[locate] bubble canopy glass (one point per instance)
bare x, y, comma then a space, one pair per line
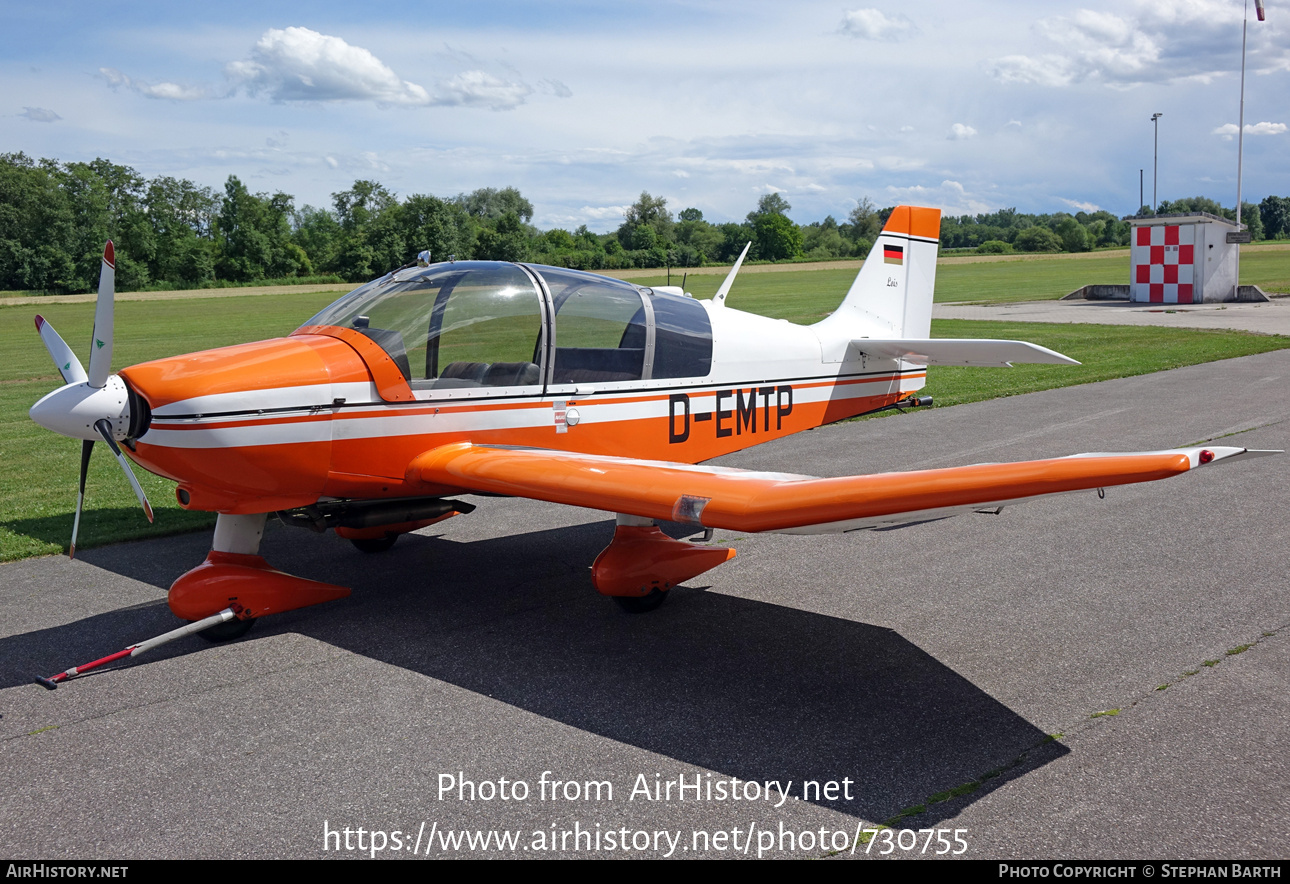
494, 324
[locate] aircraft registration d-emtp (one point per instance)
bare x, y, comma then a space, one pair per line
441, 380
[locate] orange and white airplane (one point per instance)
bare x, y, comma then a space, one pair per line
450, 379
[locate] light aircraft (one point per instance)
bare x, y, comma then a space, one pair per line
440, 380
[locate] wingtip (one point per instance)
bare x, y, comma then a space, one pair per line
40, 322
109, 255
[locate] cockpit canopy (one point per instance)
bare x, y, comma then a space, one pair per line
492, 324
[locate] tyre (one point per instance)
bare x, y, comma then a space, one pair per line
374, 544
641, 604
228, 630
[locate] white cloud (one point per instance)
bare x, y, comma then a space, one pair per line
556, 88
1043, 70
899, 164
872, 24
40, 115
1228, 130
171, 91
1082, 206
480, 89
950, 197
960, 132
297, 64
1151, 42
600, 213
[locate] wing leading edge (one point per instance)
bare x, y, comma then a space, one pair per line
745, 500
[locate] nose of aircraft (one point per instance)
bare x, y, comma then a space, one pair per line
73, 410
245, 428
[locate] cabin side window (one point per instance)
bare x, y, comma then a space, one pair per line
601, 329
682, 338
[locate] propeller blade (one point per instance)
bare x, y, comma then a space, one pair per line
87, 446
101, 340
68, 365
104, 426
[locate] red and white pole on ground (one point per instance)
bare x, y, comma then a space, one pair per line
223, 616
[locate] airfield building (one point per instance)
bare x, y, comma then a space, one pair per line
1183, 259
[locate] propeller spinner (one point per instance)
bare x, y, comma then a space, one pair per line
90, 405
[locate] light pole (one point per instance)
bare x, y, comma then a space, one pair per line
1155, 161
1240, 130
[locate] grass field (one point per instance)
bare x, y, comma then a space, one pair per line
39, 481
979, 279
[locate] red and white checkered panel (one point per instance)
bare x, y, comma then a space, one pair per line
1162, 260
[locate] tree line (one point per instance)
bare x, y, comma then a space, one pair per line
172, 233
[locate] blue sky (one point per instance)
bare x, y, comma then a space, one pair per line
967, 107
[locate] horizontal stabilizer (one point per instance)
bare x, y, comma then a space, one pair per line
745, 500
959, 351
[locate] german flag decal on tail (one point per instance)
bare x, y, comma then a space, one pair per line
893, 254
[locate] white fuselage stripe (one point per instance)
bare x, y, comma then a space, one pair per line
292, 421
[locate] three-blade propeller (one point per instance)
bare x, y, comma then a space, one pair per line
90, 405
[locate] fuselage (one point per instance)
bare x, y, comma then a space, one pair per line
572, 362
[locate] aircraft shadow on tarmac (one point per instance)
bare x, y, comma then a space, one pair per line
743, 688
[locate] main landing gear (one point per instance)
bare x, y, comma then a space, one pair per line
638, 569
641, 564
374, 544
234, 574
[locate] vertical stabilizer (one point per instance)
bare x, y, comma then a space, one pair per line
892, 295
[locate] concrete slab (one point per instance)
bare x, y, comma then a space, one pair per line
1270, 318
899, 665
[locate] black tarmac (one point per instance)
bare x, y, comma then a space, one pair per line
1072, 678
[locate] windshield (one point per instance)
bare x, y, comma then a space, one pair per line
470, 323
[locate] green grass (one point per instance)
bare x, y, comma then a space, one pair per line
38, 483
1105, 351
1027, 279
809, 295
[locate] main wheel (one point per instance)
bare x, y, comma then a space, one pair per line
641, 604
228, 630
374, 544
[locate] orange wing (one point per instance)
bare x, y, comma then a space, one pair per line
744, 500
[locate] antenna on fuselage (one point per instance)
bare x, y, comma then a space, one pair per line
719, 299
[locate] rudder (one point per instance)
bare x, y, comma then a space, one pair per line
892, 294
